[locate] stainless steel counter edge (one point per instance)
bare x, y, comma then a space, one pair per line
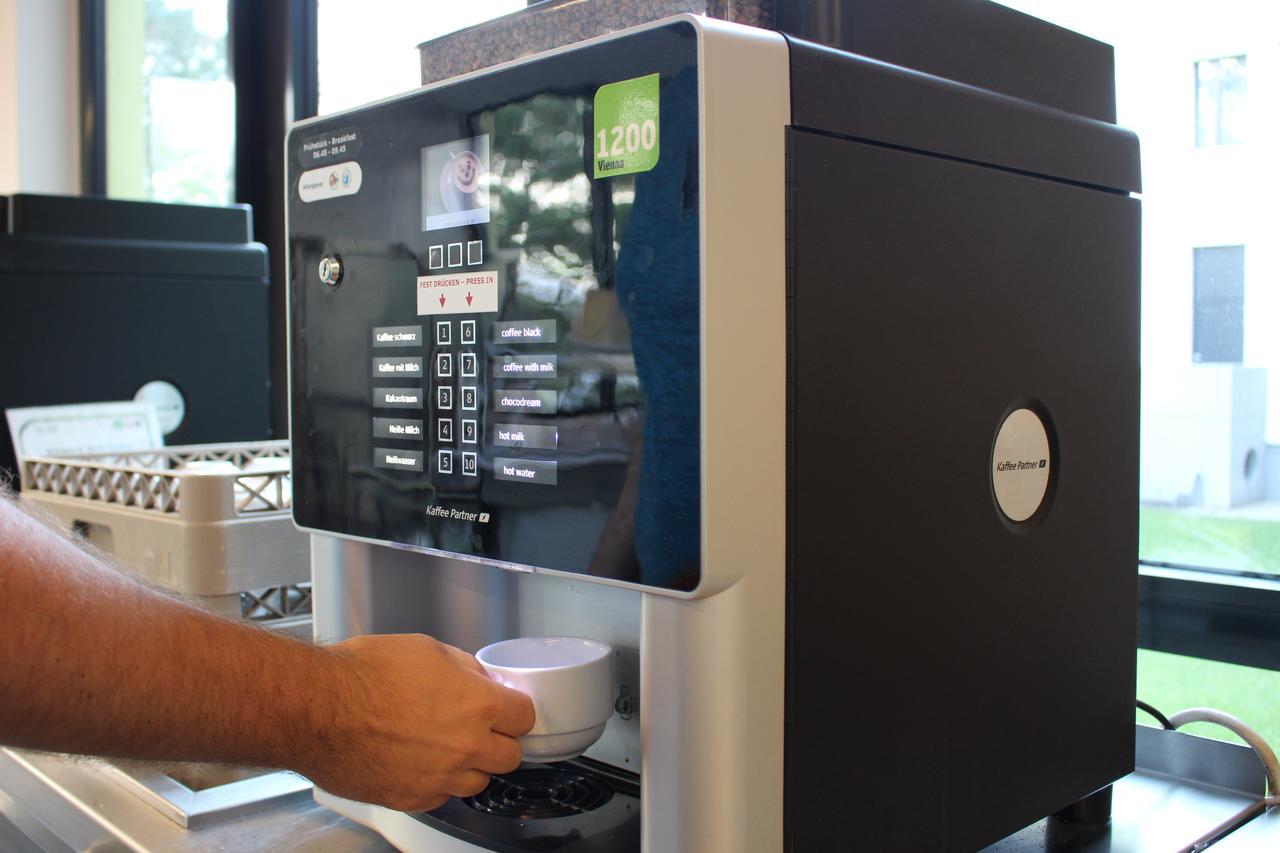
66, 803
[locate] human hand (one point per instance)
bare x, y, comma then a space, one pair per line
411, 721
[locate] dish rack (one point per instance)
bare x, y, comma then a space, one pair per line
209, 522
213, 524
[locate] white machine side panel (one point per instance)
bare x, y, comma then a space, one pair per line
712, 669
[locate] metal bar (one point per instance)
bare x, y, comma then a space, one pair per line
1228, 618
273, 53
93, 97
304, 59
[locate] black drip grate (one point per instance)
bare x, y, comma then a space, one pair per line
535, 794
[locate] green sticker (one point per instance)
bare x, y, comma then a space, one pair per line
627, 131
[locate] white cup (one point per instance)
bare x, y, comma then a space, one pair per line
569, 679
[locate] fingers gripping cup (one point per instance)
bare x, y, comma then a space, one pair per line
570, 680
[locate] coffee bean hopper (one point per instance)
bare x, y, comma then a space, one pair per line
806, 380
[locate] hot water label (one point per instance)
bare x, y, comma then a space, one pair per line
538, 471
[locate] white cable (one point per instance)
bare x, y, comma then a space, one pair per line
1233, 724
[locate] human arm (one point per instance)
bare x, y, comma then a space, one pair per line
93, 661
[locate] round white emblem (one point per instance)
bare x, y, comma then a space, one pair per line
1020, 464
170, 405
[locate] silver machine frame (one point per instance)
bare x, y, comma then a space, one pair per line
704, 671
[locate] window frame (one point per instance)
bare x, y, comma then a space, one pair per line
1225, 616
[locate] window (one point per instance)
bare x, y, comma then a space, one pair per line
386, 43
1209, 516
1220, 91
170, 101
1218, 318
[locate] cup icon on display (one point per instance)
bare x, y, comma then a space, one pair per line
570, 680
460, 181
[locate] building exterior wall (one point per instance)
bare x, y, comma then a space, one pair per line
1199, 420
39, 96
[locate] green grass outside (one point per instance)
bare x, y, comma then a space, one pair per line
1196, 538
1172, 683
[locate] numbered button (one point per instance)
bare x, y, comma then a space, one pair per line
468, 331
469, 466
468, 365
470, 399
444, 429
469, 432
444, 461
444, 332
444, 365
444, 397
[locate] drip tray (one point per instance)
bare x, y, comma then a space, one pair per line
579, 806
542, 793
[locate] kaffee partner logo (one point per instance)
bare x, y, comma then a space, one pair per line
1022, 465
457, 514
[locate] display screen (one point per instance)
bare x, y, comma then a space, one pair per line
455, 183
509, 366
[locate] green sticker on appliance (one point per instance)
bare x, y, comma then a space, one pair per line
627, 132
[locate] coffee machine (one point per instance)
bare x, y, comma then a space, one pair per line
807, 381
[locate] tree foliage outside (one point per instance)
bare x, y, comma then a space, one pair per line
177, 47
188, 102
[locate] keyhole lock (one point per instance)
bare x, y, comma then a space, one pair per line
330, 270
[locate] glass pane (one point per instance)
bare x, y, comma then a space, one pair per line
365, 56
1232, 114
1218, 315
1220, 100
170, 101
1172, 683
1210, 457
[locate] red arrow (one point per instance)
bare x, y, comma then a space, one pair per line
468, 299
442, 300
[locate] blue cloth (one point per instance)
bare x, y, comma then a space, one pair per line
658, 289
